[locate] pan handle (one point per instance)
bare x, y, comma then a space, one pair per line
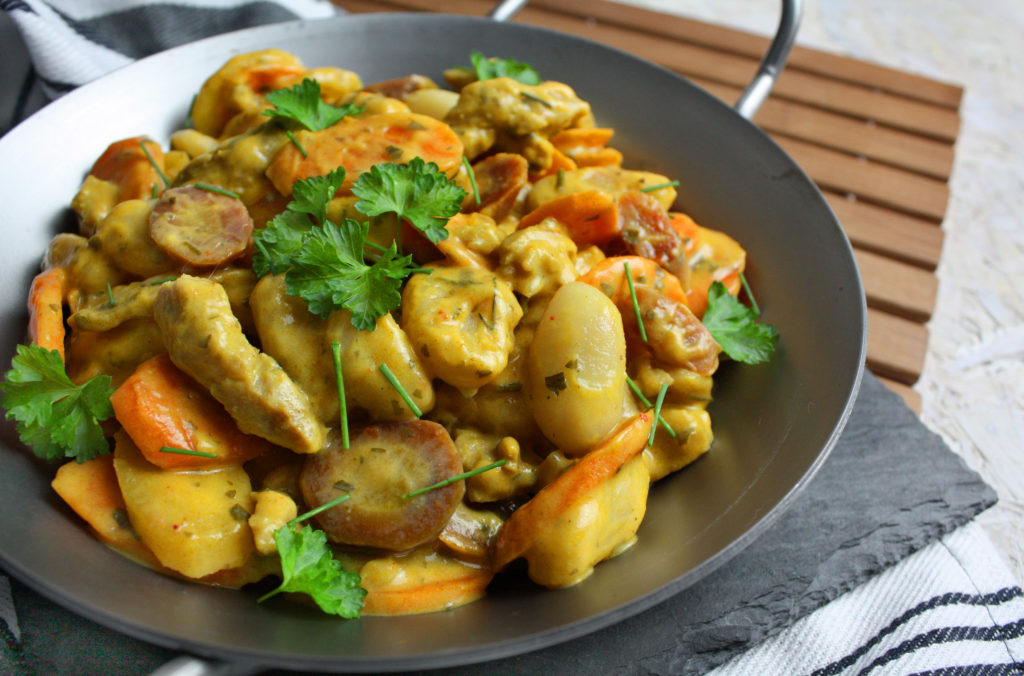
771, 65
774, 59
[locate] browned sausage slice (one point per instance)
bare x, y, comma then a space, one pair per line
200, 227
384, 462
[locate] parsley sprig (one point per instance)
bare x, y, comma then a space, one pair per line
735, 327
324, 262
488, 68
417, 192
308, 566
54, 416
302, 103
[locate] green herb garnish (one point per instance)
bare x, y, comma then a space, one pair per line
295, 142
54, 416
457, 477
220, 191
659, 186
159, 172
735, 327
657, 412
636, 304
322, 508
308, 566
472, 179
538, 99
302, 103
489, 68
750, 295
111, 301
187, 451
342, 407
646, 402
417, 192
401, 390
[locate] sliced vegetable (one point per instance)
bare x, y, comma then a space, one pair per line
133, 164
384, 462
160, 407
200, 227
46, 310
590, 216
420, 582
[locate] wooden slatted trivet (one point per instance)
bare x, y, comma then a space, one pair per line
877, 141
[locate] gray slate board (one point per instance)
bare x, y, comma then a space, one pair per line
889, 488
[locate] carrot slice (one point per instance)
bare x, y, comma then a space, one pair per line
159, 406
125, 164
724, 260
90, 488
559, 162
518, 533
46, 309
609, 276
591, 216
586, 147
434, 587
359, 144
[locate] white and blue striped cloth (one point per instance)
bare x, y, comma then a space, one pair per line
951, 609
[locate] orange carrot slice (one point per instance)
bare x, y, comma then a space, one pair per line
359, 144
125, 164
46, 310
559, 162
159, 406
609, 276
591, 216
452, 585
518, 533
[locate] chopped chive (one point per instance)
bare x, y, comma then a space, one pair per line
220, 191
110, 296
157, 282
187, 451
401, 390
659, 186
750, 295
161, 174
636, 305
483, 320
457, 477
560, 179
472, 179
646, 402
156, 191
295, 141
657, 411
342, 407
322, 508
534, 97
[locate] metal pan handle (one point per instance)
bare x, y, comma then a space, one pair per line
771, 65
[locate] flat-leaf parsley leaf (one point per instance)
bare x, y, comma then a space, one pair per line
488, 68
303, 104
329, 273
736, 328
308, 566
417, 192
53, 415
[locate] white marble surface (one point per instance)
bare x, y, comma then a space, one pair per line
973, 381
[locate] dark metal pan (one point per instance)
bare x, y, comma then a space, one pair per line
774, 423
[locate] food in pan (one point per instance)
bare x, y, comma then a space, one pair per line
376, 341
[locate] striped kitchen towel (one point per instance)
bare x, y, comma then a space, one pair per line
951, 609
71, 42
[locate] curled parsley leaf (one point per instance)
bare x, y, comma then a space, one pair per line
302, 103
417, 192
53, 415
308, 566
735, 327
488, 68
329, 272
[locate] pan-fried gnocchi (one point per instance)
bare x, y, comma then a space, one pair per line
442, 326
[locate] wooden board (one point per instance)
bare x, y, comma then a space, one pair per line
878, 142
